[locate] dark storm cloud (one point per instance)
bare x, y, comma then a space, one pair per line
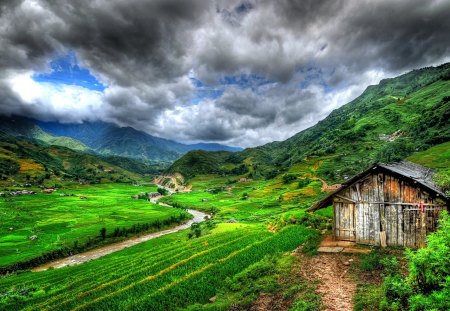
316, 55
142, 37
400, 35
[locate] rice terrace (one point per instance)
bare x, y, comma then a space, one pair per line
242, 155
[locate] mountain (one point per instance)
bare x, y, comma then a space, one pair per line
24, 160
388, 122
23, 127
104, 138
110, 139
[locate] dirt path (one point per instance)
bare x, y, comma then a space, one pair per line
108, 249
334, 284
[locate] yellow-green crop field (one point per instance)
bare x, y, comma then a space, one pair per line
59, 222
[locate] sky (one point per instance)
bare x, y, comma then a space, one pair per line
241, 73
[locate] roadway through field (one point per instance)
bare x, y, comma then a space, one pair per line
108, 249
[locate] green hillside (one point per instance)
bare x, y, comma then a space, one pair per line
438, 159
22, 127
28, 161
202, 162
386, 123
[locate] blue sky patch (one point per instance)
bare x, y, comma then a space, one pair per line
246, 81
313, 76
66, 70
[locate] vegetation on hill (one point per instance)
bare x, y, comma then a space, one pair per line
26, 128
437, 158
32, 162
204, 162
386, 123
110, 139
257, 198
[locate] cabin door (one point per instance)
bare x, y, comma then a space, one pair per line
344, 221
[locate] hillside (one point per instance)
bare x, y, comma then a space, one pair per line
29, 161
23, 127
203, 162
388, 122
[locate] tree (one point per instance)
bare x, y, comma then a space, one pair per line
162, 191
103, 233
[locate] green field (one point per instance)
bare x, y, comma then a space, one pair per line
64, 222
161, 274
252, 201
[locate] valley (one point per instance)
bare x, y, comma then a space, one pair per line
100, 234
41, 227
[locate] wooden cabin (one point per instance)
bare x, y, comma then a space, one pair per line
388, 204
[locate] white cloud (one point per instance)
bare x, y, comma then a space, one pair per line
67, 103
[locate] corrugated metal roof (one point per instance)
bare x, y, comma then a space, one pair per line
416, 172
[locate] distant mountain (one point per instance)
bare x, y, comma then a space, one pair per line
23, 127
104, 138
388, 122
213, 147
110, 139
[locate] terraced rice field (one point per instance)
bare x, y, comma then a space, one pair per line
61, 221
162, 274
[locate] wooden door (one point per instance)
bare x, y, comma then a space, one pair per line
344, 221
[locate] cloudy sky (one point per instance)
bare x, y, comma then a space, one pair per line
241, 73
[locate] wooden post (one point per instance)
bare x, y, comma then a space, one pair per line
424, 225
383, 239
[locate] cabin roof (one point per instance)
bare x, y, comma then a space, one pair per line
419, 174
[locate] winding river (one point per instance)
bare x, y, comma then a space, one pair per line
111, 248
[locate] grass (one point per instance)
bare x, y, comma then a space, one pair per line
144, 276
270, 277
264, 199
62, 221
436, 157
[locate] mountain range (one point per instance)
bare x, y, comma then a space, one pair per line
103, 138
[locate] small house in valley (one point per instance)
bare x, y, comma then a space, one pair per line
388, 204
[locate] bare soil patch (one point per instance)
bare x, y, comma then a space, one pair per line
334, 284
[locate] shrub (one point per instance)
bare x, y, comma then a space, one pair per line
368, 297
371, 261
396, 293
427, 286
429, 267
312, 244
162, 191
310, 302
310, 220
288, 178
302, 183
391, 265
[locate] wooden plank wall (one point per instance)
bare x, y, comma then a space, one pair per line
344, 215
373, 195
